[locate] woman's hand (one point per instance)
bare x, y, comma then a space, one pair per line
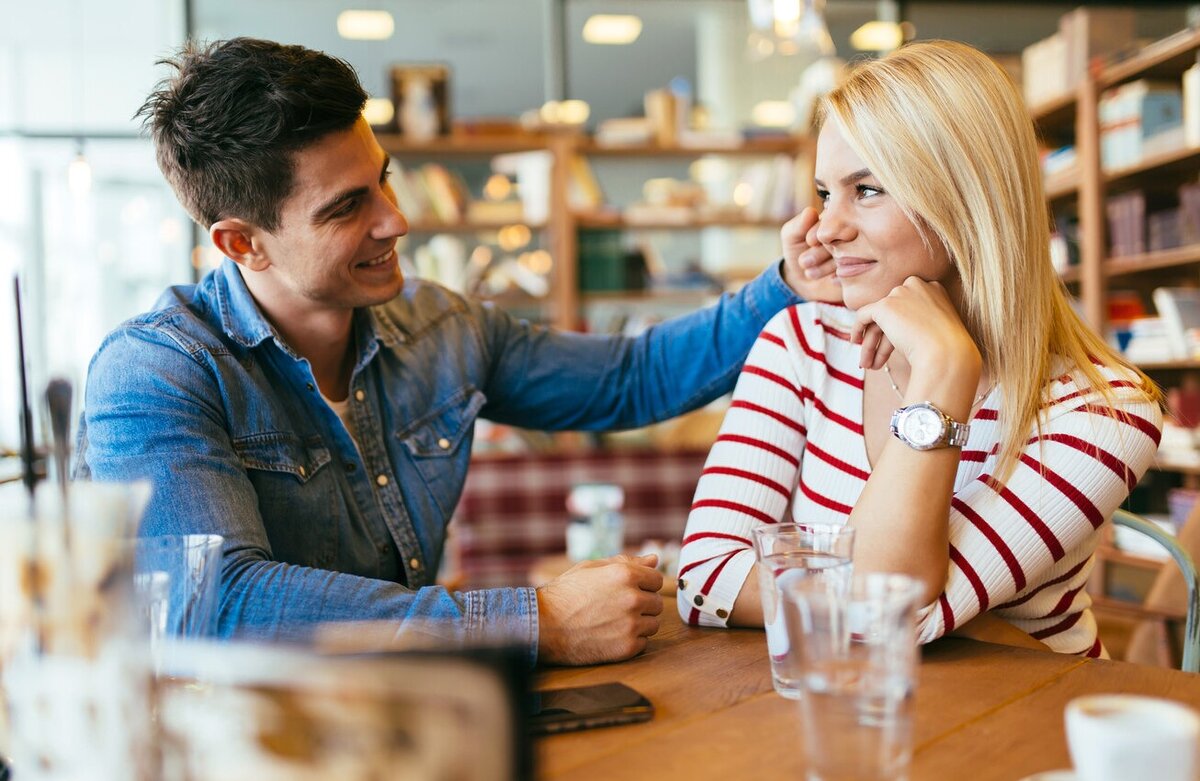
918, 319
808, 268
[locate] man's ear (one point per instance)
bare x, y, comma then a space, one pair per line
236, 239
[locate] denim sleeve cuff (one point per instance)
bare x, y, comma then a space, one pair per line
503, 615
769, 293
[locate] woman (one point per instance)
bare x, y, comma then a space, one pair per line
1017, 429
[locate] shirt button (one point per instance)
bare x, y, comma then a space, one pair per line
359, 395
414, 563
722, 613
309, 385
699, 600
444, 443
382, 480
681, 584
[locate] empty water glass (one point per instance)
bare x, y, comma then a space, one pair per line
787, 552
177, 578
859, 658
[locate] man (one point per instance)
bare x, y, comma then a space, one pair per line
307, 404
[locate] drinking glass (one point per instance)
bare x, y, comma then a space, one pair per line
177, 577
787, 552
74, 682
859, 651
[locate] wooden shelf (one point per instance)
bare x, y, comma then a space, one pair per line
651, 296
605, 221
1118, 556
773, 146
1057, 114
1167, 58
1177, 467
430, 226
460, 146
1167, 366
1167, 258
1062, 185
1178, 161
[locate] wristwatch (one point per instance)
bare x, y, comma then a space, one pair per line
922, 426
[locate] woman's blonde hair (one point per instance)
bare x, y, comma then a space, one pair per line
946, 133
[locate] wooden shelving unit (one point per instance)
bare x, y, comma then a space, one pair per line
560, 230
1074, 118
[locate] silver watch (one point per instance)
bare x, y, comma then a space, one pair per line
922, 426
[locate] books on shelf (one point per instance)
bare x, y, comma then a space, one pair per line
1179, 310
1052, 67
1139, 119
1191, 105
1126, 223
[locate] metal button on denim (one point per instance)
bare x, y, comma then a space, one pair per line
381, 480
444, 443
414, 563
359, 395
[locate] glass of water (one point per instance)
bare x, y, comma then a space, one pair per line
788, 552
859, 649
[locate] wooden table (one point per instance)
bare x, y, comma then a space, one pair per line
982, 711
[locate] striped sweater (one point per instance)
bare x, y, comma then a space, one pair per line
793, 437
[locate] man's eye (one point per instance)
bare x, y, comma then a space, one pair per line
344, 209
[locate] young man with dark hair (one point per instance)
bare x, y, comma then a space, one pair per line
306, 403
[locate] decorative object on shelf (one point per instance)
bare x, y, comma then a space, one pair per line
421, 96
788, 27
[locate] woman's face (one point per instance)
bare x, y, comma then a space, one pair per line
875, 246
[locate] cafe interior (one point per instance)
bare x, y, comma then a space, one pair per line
594, 168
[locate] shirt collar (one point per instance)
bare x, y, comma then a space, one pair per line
243, 322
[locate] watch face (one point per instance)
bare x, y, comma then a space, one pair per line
922, 426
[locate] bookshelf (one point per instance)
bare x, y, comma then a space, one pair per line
559, 233
1082, 191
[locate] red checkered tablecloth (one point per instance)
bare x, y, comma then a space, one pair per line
514, 508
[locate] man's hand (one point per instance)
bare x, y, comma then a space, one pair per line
808, 268
599, 611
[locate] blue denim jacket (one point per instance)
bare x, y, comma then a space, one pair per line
203, 398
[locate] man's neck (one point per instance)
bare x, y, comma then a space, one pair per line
322, 336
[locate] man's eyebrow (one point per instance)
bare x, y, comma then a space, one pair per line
861, 173
330, 206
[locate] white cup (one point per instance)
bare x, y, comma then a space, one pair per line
1117, 737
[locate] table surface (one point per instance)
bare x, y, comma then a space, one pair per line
990, 711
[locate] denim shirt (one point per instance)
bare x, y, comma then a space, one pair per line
203, 398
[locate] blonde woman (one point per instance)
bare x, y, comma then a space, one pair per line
956, 412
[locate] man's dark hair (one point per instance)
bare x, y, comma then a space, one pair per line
227, 124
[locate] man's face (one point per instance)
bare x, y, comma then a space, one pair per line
335, 247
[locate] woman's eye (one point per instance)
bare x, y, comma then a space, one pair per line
822, 195
866, 190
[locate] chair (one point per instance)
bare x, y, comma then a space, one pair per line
1187, 567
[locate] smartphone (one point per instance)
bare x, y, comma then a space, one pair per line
581, 707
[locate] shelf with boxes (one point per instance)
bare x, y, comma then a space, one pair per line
1122, 179
521, 219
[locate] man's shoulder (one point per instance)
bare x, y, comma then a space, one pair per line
183, 315
421, 305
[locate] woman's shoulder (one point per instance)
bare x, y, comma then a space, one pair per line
1071, 388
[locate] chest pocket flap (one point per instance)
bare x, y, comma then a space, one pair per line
440, 432
280, 452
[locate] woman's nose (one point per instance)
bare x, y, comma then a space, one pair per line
832, 225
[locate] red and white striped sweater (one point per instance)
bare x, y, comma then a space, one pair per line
794, 436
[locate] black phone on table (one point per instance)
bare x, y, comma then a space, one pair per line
581, 707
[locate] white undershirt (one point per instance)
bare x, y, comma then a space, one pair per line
342, 409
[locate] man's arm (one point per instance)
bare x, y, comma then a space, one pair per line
153, 413
556, 381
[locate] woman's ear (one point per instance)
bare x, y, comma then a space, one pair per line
235, 238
